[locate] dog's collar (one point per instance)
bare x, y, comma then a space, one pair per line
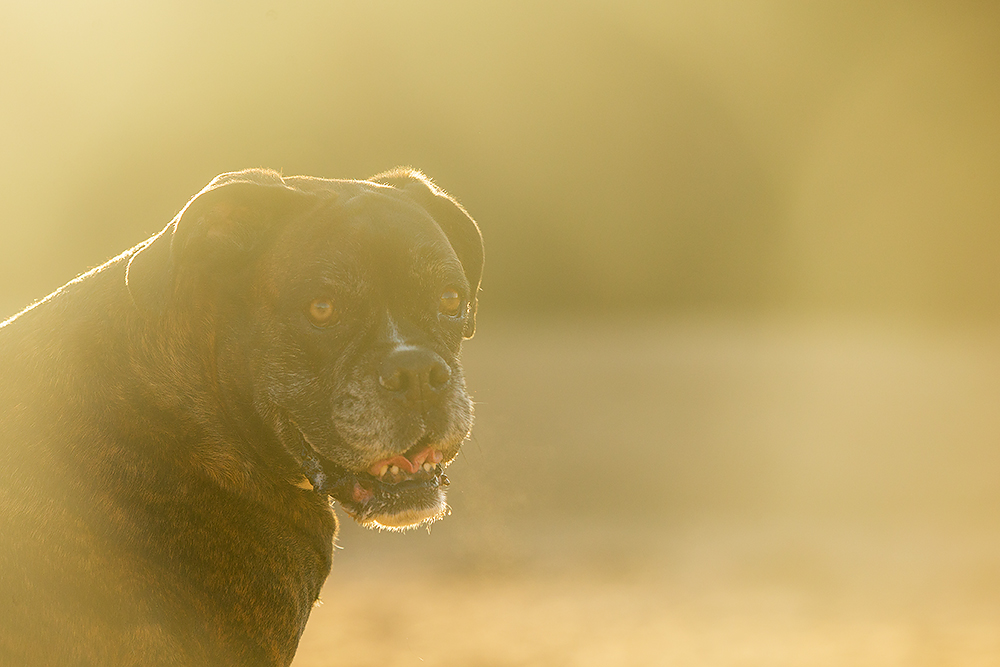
326, 477
316, 473
320, 473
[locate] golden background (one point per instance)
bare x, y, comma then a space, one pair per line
738, 366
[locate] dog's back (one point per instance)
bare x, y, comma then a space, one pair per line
58, 564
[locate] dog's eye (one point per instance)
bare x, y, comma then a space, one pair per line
322, 312
450, 302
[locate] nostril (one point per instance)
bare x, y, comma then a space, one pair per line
440, 375
394, 380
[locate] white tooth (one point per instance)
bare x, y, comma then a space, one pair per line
381, 472
395, 470
428, 467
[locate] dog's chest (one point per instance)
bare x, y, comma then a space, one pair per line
251, 572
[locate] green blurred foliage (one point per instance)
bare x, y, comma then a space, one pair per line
620, 156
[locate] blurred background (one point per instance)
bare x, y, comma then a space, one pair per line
738, 364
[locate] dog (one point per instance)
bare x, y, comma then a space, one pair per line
176, 424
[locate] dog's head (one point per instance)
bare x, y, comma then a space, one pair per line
337, 311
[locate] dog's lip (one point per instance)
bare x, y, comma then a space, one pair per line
408, 492
368, 486
420, 467
402, 502
427, 451
400, 491
425, 458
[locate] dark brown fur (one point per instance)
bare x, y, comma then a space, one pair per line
152, 425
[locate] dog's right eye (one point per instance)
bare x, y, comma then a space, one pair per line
322, 312
450, 302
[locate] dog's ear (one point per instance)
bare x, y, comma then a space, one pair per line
462, 231
221, 223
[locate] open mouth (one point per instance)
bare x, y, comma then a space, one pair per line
400, 492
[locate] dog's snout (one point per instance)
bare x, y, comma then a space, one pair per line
414, 373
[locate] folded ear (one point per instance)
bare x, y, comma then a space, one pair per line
462, 231
218, 227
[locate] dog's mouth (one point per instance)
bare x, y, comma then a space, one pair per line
396, 493
400, 492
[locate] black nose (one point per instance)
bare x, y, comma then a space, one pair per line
415, 374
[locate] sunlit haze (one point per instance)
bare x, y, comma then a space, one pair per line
737, 367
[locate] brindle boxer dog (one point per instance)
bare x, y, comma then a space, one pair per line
175, 423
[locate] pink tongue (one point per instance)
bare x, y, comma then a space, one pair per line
425, 455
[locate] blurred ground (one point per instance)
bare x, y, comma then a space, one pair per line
699, 492
718, 594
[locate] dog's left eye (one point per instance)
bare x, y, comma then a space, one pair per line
322, 311
451, 302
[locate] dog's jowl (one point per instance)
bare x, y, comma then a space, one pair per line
175, 424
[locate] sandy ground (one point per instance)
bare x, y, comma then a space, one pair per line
698, 494
711, 595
